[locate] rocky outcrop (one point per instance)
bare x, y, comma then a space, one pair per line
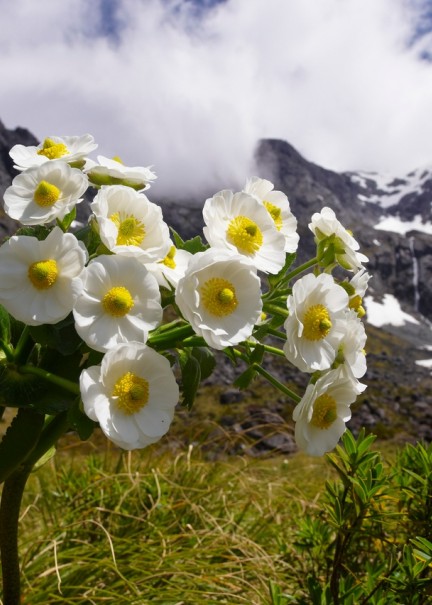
9, 138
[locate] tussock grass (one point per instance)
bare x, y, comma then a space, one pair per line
144, 527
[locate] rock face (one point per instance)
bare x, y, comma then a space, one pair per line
399, 262
9, 138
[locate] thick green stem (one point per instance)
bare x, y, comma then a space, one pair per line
273, 350
7, 351
275, 309
272, 380
21, 345
68, 385
304, 267
12, 494
169, 338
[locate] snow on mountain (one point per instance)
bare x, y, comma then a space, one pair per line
387, 190
387, 312
406, 202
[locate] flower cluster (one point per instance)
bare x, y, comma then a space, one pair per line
101, 295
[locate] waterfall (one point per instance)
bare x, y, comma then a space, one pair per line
415, 274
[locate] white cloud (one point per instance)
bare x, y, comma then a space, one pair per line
336, 78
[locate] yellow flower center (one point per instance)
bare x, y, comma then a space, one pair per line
132, 393
316, 322
276, 214
46, 194
244, 234
117, 301
355, 302
169, 261
52, 150
43, 274
117, 159
219, 297
131, 231
324, 412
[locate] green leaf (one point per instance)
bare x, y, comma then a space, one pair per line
40, 232
244, 380
19, 440
79, 421
257, 354
61, 336
190, 377
206, 360
275, 279
193, 245
67, 220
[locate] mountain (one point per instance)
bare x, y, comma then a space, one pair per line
391, 217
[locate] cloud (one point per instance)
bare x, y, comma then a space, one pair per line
192, 91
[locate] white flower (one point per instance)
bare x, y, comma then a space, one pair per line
131, 225
358, 286
315, 326
118, 301
132, 395
44, 193
277, 204
321, 415
169, 270
241, 224
351, 350
70, 149
325, 225
114, 172
220, 296
36, 276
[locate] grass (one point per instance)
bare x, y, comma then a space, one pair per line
144, 527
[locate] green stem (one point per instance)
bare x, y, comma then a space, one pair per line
194, 341
276, 333
272, 380
275, 309
7, 351
273, 350
52, 431
170, 337
310, 263
20, 348
68, 385
11, 498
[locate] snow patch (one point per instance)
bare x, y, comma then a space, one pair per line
425, 363
386, 190
395, 224
387, 312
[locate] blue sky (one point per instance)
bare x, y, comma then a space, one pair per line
190, 86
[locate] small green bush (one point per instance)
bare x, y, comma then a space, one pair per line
369, 542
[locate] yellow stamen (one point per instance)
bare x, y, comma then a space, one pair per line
132, 393
244, 234
324, 411
43, 274
117, 159
316, 322
46, 194
276, 214
169, 261
219, 297
117, 301
52, 150
131, 231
